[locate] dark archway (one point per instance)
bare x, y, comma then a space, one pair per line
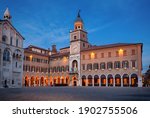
90, 80
32, 81
96, 80
83, 80
26, 81
125, 80
110, 80
42, 81
103, 80
134, 80
117, 80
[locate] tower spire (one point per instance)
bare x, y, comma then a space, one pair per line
7, 15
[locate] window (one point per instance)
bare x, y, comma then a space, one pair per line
6, 55
16, 42
83, 44
75, 37
125, 64
117, 64
83, 35
95, 66
133, 52
16, 64
109, 65
13, 82
4, 38
109, 54
117, 53
124, 53
133, 63
102, 65
89, 67
83, 57
102, 55
83, 66
11, 40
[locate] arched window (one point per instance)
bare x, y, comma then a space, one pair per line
95, 66
125, 64
6, 55
109, 65
117, 64
102, 65
89, 67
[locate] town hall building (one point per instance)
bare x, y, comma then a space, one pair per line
82, 64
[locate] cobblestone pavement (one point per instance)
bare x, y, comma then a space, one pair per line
75, 94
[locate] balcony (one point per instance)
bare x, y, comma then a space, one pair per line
73, 71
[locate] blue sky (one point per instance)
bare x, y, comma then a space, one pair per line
47, 22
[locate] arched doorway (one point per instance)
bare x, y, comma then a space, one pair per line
110, 80
134, 80
42, 81
62, 80
32, 81
58, 80
125, 80
75, 66
74, 81
46, 81
118, 80
83, 80
96, 80
103, 80
90, 80
26, 81
37, 81
54, 81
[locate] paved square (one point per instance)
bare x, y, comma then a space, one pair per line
75, 94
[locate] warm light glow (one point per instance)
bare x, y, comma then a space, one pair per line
64, 59
92, 55
121, 52
31, 57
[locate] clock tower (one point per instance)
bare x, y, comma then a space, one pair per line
78, 41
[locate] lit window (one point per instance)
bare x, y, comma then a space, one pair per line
92, 55
121, 52
83, 57
117, 53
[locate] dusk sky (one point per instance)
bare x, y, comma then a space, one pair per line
47, 22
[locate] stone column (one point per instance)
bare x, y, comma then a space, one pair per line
129, 82
86, 82
106, 82
93, 82
100, 82
121, 82
113, 82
